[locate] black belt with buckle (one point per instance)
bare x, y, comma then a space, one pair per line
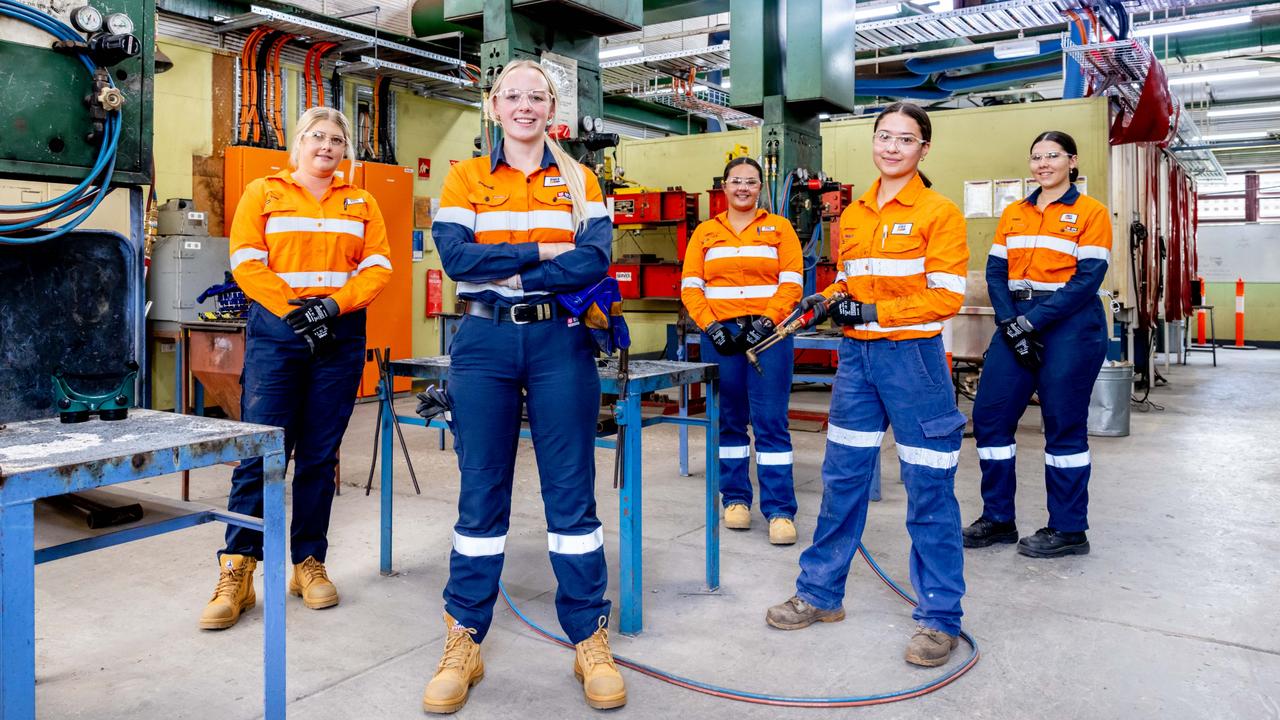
520, 314
1028, 294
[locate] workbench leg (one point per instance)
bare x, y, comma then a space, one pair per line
630, 554
388, 473
684, 431
273, 538
713, 485
17, 611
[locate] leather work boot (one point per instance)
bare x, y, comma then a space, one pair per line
796, 613
1050, 543
984, 532
782, 531
311, 583
233, 595
929, 647
460, 668
594, 667
737, 517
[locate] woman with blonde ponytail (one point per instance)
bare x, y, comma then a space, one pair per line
514, 229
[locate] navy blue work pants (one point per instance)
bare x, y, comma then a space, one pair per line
548, 367
311, 397
1074, 349
904, 383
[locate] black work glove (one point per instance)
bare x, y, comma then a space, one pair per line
756, 333
320, 338
1021, 338
847, 312
816, 302
433, 402
311, 312
723, 342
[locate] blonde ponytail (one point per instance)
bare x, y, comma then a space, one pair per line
573, 172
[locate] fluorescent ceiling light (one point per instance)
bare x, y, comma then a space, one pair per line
1191, 25
724, 83
1252, 135
1197, 78
1016, 49
877, 12
623, 51
1239, 111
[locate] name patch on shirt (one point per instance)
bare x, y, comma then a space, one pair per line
553, 181
901, 229
1069, 217
352, 201
768, 228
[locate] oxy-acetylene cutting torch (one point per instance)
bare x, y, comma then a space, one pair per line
795, 322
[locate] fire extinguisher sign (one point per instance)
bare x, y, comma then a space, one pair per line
435, 293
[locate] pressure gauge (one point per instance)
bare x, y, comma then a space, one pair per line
119, 24
588, 123
598, 124
87, 19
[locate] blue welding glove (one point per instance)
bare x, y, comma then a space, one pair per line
760, 328
312, 312
816, 302
847, 312
720, 338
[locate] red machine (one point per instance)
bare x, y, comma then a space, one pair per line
647, 276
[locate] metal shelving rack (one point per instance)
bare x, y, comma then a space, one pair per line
999, 17
649, 78
1118, 69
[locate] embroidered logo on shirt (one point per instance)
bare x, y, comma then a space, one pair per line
271, 197
901, 229
553, 181
1070, 229
573, 322
1069, 217
564, 195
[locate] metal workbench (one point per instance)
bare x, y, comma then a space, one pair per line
644, 376
44, 458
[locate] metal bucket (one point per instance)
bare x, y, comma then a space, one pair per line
1109, 403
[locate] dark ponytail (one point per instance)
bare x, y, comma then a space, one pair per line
1065, 141
917, 113
742, 160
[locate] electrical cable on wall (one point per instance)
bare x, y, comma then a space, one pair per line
89, 193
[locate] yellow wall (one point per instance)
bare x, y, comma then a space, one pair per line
183, 117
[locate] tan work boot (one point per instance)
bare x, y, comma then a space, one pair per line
737, 517
930, 648
782, 531
233, 595
593, 666
311, 583
796, 613
460, 668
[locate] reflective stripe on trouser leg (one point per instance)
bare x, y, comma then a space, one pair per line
735, 413
563, 398
769, 396
1003, 393
854, 434
912, 379
1074, 351
485, 387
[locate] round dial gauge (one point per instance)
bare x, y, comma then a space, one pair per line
599, 124
86, 19
587, 123
119, 24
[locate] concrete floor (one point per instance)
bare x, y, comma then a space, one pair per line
1172, 616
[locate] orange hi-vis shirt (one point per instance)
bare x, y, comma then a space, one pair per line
908, 258
1064, 250
729, 274
286, 244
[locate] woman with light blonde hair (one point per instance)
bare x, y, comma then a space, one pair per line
310, 251
515, 228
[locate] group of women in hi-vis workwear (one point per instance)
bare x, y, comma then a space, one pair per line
526, 222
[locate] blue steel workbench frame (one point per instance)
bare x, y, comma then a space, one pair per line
43, 458
644, 376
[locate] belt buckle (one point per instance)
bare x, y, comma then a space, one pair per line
511, 313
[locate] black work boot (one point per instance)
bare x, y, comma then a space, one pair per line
1049, 543
984, 532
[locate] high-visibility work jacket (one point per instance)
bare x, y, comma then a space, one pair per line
1065, 249
729, 274
492, 218
286, 244
908, 258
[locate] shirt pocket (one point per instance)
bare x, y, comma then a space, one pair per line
554, 196
908, 243
492, 225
